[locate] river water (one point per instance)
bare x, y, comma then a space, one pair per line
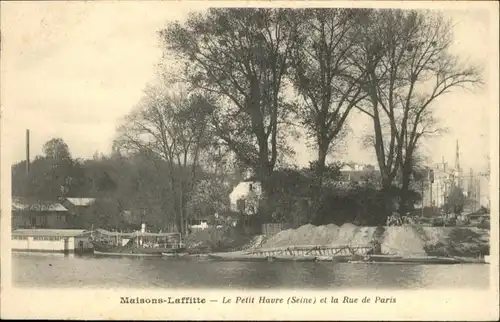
54, 270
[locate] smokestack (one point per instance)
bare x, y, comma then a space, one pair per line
27, 151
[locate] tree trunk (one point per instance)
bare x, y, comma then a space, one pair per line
264, 176
405, 189
317, 190
388, 202
181, 209
320, 166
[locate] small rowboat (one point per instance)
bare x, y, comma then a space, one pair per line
389, 259
291, 258
174, 254
236, 256
335, 259
96, 252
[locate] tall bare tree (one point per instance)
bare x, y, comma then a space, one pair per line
323, 74
406, 57
171, 127
241, 56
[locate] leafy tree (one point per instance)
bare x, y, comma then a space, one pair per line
56, 149
207, 198
170, 130
406, 58
241, 58
323, 75
52, 176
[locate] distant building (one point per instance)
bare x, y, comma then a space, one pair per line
436, 184
79, 203
245, 197
39, 214
440, 178
78, 208
199, 223
359, 174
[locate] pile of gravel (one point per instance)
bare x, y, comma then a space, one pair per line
406, 240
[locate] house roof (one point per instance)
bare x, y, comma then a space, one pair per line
81, 202
112, 233
359, 175
50, 232
19, 204
242, 189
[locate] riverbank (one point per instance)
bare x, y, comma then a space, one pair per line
406, 240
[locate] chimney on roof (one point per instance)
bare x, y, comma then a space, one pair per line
27, 151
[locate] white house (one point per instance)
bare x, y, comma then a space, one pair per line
245, 197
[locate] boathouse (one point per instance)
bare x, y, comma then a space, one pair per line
52, 240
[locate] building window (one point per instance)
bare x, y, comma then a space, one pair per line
240, 204
49, 238
43, 221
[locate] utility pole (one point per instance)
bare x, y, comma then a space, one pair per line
422, 208
431, 181
27, 151
479, 192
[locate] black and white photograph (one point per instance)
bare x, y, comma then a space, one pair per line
250, 147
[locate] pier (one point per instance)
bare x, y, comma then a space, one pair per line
313, 250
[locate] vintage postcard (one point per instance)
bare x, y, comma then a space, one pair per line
274, 160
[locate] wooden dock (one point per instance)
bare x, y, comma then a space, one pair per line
313, 250
329, 253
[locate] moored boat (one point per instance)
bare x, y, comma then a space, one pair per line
335, 259
291, 258
238, 256
121, 253
410, 259
175, 254
139, 244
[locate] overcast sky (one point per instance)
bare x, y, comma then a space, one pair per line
73, 69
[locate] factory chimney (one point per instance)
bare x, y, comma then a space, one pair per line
27, 151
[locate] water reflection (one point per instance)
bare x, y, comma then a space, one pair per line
51, 270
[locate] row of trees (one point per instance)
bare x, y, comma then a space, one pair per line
249, 78
131, 190
256, 75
